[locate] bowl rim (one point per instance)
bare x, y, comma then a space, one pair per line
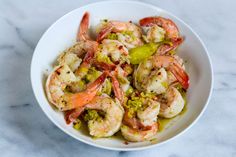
135, 148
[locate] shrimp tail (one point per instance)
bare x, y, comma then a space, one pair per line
180, 75
163, 49
72, 115
117, 90
82, 34
105, 66
82, 98
104, 32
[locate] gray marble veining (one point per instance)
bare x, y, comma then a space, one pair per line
26, 131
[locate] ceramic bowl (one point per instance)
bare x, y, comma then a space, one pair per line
62, 34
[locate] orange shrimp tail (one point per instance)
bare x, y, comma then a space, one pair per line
180, 75
105, 66
82, 98
163, 49
72, 115
104, 32
82, 34
117, 90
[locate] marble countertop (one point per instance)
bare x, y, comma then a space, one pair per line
25, 131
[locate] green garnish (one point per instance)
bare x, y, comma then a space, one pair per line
77, 124
112, 36
136, 103
107, 87
92, 75
103, 58
129, 91
141, 53
91, 115
164, 84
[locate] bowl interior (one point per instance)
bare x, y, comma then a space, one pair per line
61, 35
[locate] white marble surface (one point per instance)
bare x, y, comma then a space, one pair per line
26, 131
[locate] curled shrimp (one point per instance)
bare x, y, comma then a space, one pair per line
72, 115
144, 117
168, 25
172, 103
127, 33
110, 124
113, 117
144, 72
56, 85
158, 27
144, 125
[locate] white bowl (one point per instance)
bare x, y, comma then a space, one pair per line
62, 34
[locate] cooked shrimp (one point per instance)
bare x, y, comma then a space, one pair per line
150, 81
91, 48
141, 112
148, 115
155, 34
71, 57
88, 45
82, 34
157, 29
135, 135
113, 117
121, 76
108, 125
113, 49
144, 71
171, 78
71, 116
59, 79
168, 25
127, 33
172, 103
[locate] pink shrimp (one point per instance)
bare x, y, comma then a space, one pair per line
57, 82
168, 25
118, 27
174, 67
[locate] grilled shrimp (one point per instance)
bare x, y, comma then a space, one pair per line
127, 33
172, 103
59, 79
135, 135
148, 80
